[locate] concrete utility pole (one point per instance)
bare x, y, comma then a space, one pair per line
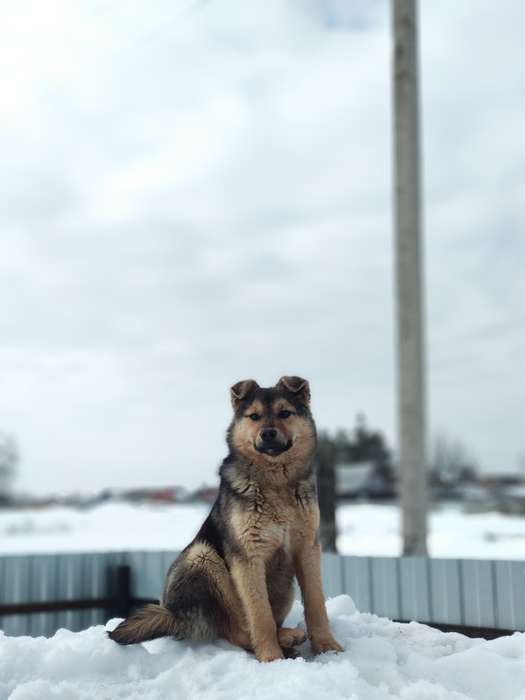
409, 280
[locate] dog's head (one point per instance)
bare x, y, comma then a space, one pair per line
272, 425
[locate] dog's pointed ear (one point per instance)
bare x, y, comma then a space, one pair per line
241, 390
298, 386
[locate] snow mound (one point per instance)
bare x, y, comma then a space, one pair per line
382, 660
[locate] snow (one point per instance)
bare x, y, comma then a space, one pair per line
364, 529
109, 527
382, 660
369, 529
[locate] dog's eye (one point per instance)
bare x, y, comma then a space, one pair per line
284, 414
254, 416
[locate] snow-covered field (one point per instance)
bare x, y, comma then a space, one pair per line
374, 530
110, 527
364, 529
382, 660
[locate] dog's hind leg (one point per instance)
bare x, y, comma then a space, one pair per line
232, 624
200, 592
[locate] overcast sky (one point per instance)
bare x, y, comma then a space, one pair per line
198, 192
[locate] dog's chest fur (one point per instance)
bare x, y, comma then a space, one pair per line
269, 518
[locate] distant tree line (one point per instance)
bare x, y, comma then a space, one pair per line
450, 462
359, 445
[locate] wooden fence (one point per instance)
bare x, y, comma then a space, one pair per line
78, 590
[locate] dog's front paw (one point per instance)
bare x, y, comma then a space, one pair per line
290, 636
323, 643
268, 652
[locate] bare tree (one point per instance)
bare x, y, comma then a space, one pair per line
451, 461
9, 459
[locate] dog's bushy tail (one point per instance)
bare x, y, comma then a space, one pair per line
150, 622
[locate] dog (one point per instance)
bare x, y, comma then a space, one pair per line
235, 579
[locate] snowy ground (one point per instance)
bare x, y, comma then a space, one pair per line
364, 529
382, 660
374, 530
110, 527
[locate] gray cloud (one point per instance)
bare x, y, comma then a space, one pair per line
201, 192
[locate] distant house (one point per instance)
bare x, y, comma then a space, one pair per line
511, 500
501, 480
363, 480
465, 492
162, 494
502, 491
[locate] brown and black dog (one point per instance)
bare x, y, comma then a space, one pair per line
235, 579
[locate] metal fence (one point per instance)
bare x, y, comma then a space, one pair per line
484, 594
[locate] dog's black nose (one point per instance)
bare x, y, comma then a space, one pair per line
268, 434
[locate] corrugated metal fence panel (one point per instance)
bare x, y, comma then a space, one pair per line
96, 585
446, 596
386, 594
357, 577
415, 589
509, 577
47, 577
479, 594
462, 592
332, 573
68, 579
148, 571
459, 592
44, 581
17, 580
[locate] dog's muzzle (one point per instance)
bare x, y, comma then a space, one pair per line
268, 442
